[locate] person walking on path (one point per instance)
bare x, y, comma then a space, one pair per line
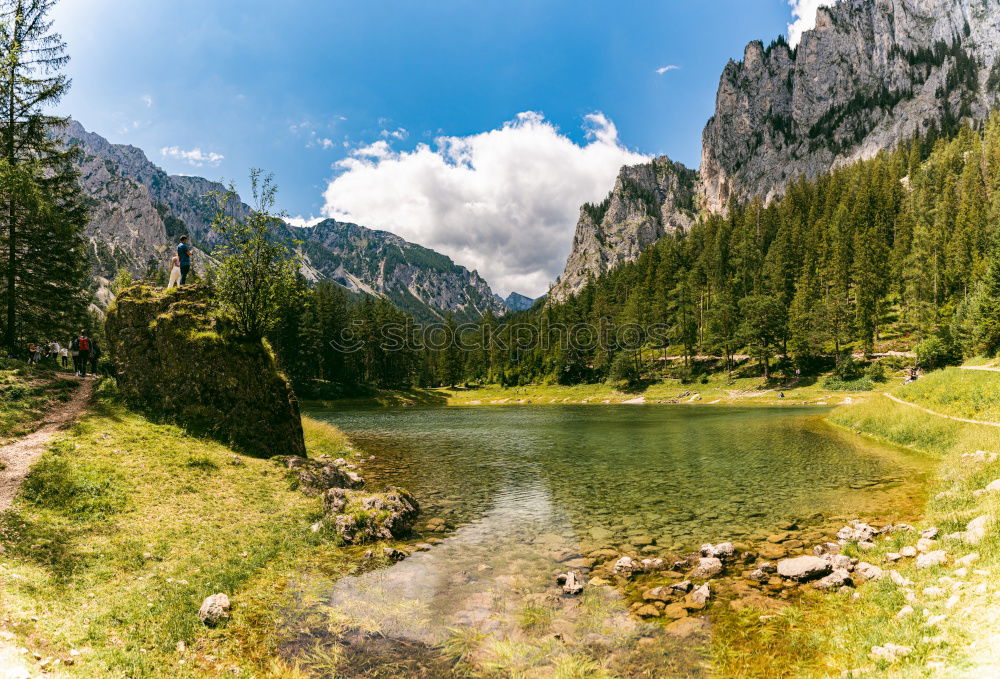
184, 258
175, 272
83, 344
64, 354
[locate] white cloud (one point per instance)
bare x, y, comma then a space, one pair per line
326, 143
303, 221
804, 15
398, 133
147, 100
670, 67
195, 156
504, 202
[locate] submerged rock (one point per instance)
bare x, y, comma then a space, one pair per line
360, 517
571, 582
626, 567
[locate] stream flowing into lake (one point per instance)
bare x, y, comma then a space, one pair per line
529, 492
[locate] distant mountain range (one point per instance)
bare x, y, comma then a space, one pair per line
870, 75
139, 211
518, 302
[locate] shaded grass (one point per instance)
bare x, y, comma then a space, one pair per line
124, 526
26, 392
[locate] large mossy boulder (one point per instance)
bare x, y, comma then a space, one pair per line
177, 356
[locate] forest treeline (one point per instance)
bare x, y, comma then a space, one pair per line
901, 245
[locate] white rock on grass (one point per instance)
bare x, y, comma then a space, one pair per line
980, 456
909, 551
904, 611
967, 560
952, 601
890, 652
933, 592
976, 529
838, 578
893, 556
869, 571
925, 545
931, 559
899, 579
214, 609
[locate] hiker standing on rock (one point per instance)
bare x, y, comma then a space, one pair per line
184, 258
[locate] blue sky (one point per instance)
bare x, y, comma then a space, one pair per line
305, 88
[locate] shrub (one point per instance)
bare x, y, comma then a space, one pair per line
623, 369
937, 352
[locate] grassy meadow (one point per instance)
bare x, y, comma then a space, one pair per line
125, 525
952, 633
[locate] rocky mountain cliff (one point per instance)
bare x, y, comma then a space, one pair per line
870, 75
648, 201
420, 281
139, 211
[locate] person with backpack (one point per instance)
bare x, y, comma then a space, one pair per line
83, 344
184, 258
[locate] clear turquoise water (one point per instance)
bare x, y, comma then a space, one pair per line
529, 490
682, 475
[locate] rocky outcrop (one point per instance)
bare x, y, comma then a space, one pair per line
647, 201
870, 75
359, 517
177, 357
315, 477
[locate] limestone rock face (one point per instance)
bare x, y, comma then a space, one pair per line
175, 357
870, 75
647, 201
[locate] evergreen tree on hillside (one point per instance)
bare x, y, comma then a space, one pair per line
42, 213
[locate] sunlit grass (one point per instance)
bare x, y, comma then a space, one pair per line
126, 525
972, 394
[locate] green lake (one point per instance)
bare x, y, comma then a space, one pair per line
526, 490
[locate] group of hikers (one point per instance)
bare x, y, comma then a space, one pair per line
83, 350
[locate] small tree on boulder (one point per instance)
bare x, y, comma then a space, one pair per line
257, 267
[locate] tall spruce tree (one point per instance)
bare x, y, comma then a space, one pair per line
41, 209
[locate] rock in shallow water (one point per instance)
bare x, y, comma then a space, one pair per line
804, 568
368, 517
708, 567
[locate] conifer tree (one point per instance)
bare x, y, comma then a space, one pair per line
41, 210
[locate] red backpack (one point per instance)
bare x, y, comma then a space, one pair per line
84, 344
